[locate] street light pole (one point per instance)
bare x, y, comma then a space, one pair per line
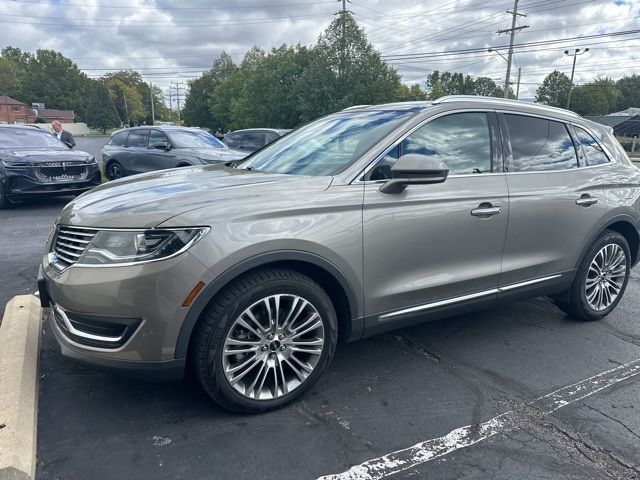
573, 70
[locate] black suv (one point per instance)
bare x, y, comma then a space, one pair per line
145, 149
34, 163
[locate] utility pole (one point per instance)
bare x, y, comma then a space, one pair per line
573, 70
343, 22
518, 89
126, 109
512, 32
178, 86
153, 107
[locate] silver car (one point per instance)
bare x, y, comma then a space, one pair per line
363, 221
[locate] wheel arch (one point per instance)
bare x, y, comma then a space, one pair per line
625, 225
325, 273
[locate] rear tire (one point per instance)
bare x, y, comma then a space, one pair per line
114, 170
601, 279
283, 327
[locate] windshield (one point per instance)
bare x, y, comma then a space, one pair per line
326, 146
15, 138
195, 139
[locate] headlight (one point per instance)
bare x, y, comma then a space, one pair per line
110, 247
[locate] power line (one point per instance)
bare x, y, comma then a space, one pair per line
151, 7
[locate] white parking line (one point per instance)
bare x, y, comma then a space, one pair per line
428, 450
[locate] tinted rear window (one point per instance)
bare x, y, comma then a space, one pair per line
118, 139
538, 144
137, 138
592, 150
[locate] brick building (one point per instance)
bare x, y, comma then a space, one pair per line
13, 111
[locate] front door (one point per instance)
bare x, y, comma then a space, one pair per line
135, 150
440, 244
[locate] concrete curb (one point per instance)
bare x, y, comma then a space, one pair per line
19, 354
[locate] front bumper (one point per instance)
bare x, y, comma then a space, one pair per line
22, 183
124, 318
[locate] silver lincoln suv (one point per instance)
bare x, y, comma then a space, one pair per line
370, 219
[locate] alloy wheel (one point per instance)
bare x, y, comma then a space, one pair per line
273, 347
114, 171
606, 276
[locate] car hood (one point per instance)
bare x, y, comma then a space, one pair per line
217, 154
147, 200
39, 155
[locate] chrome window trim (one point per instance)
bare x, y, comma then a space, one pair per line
187, 246
359, 178
428, 306
503, 101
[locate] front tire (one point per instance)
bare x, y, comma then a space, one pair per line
265, 340
601, 279
4, 200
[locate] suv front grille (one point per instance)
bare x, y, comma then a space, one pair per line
70, 243
61, 171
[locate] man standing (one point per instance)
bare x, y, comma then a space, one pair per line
62, 135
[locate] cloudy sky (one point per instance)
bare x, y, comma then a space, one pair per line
174, 40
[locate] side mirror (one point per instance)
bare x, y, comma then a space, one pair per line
415, 169
161, 146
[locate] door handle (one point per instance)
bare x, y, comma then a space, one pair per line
486, 210
586, 200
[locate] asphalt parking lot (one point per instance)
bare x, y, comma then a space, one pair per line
488, 372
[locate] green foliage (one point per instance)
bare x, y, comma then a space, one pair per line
291, 85
448, 83
554, 90
101, 113
629, 88
596, 98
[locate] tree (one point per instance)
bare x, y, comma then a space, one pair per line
197, 105
100, 112
54, 80
9, 77
486, 87
447, 83
361, 76
599, 97
127, 101
407, 94
629, 88
554, 90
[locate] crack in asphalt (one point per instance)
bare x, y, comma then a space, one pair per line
622, 424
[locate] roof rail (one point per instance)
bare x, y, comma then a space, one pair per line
503, 101
354, 107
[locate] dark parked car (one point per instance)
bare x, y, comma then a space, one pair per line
145, 149
34, 163
252, 139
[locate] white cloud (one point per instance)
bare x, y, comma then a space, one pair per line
171, 39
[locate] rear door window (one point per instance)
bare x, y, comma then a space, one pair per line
252, 140
538, 144
137, 138
118, 139
232, 140
592, 150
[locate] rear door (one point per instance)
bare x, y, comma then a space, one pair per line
555, 199
135, 150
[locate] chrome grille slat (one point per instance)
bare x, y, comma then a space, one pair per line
76, 240
67, 252
70, 243
72, 247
